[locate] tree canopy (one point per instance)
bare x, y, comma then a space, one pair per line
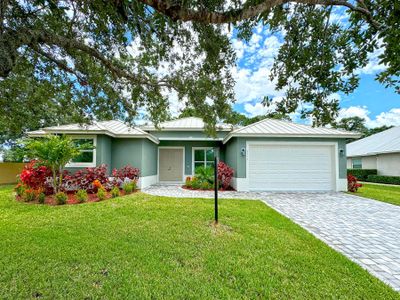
70, 60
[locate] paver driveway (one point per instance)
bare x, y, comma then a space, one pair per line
366, 231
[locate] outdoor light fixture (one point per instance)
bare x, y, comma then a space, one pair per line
341, 152
243, 151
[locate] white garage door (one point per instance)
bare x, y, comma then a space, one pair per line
281, 167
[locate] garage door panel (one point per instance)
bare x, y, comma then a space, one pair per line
290, 167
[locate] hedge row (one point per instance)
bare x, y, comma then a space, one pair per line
384, 179
362, 174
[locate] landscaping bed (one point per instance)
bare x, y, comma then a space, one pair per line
71, 198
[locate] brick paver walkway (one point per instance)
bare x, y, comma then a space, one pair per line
366, 231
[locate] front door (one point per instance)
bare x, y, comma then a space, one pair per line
170, 164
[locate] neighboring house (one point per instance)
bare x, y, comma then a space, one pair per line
267, 155
380, 151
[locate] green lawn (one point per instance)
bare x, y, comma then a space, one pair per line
153, 247
384, 193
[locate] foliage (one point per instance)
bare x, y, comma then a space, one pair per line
362, 174
205, 174
188, 181
49, 63
115, 192
41, 197
195, 183
101, 194
352, 184
20, 189
126, 172
15, 153
85, 178
61, 198
127, 187
225, 174
205, 185
29, 195
54, 151
35, 174
384, 179
81, 196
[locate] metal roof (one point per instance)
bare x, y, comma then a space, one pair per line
281, 128
387, 141
114, 128
186, 124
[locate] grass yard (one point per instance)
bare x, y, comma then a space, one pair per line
142, 246
384, 193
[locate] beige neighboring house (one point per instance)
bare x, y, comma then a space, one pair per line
380, 151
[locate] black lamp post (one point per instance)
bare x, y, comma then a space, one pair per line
215, 186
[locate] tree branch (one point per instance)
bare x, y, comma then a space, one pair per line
178, 12
62, 65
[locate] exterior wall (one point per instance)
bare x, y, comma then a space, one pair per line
103, 153
367, 162
189, 145
388, 164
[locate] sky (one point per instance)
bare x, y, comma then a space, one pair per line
371, 100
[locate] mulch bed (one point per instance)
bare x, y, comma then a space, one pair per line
50, 199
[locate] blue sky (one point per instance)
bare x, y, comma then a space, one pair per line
371, 100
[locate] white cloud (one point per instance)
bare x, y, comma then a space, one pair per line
389, 118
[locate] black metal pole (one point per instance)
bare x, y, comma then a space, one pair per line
216, 188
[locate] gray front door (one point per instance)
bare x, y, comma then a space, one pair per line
170, 164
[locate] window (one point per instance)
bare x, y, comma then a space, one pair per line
203, 157
87, 157
356, 163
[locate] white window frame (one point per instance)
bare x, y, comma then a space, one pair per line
352, 163
84, 164
205, 157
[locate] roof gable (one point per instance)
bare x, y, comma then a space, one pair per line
387, 141
281, 128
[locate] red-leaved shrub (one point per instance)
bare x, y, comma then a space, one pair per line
126, 172
83, 179
34, 175
352, 184
225, 174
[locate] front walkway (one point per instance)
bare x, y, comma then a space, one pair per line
366, 231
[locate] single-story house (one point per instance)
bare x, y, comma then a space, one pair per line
268, 155
380, 151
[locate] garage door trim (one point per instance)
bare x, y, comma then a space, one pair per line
266, 143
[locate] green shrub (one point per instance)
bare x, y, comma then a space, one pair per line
205, 185
81, 196
41, 198
115, 192
205, 174
384, 179
361, 174
101, 194
134, 185
20, 189
188, 182
127, 187
61, 198
29, 195
196, 183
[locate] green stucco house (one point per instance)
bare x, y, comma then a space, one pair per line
270, 155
